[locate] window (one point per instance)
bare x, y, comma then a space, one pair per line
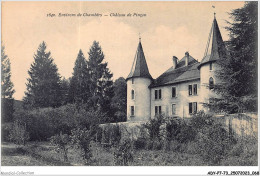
211, 83
210, 66
173, 92
158, 94
190, 89
194, 89
158, 110
133, 81
192, 107
173, 109
132, 110
133, 94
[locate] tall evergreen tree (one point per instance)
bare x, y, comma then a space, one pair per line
101, 85
119, 99
7, 105
239, 70
79, 84
65, 85
44, 84
6, 83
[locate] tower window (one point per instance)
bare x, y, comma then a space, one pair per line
132, 110
157, 94
173, 92
211, 83
173, 109
133, 81
210, 66
133, 94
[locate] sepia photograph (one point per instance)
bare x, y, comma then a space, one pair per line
129, 83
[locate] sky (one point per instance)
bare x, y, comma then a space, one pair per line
167, 29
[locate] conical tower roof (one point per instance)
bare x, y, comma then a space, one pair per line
139, 67
215, 48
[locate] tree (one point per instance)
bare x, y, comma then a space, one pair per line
101, 85
7, 88
239, 71
79, 85
6, 83
119, 99
65, 85
44, 84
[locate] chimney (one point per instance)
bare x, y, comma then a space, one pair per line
174, 60
187, 58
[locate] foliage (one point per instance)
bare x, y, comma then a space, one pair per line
7, 90
123, 154
153, 127
238, 72
101, 85
82, 138
18, 133
61, 142
46, 122
44, 84
7, 109
119, 99
79, 85
111, 134
65, 84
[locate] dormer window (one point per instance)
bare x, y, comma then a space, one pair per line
173, 92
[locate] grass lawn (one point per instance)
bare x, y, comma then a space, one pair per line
43, 154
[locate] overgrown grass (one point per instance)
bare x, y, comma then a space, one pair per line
43, 154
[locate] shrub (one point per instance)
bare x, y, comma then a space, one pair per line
140, 143
46, 122
123, 154
214, 143
18, 133
82, 138
61, 142
153, 127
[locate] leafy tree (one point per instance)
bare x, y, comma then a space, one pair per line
6, 83
119, 99
7, 88
44, 84
61, 143
101, 85
239, 71
79, 85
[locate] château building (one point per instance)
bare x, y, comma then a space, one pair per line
179, 91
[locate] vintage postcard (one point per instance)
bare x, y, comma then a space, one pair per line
129, 83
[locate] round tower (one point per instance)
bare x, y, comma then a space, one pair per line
215, 50
138, 92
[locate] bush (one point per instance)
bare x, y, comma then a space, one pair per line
46, 122
81, 139
18, 133
153, 127
140, 143
61, 142
7, 109
123, 154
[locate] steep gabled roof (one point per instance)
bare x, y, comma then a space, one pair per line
179, 74
139, 67
215, 48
